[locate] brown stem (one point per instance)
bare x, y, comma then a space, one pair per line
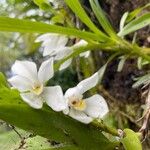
146, 118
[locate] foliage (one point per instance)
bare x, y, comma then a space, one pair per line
69, 133
131, 141
10, 140
61, 128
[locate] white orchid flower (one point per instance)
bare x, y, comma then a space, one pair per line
85, 109
31, 84
52, 43
55, 45
79, 44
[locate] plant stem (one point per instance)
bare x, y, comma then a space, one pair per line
121, 46
102, 126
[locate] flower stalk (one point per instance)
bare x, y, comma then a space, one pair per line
99, 124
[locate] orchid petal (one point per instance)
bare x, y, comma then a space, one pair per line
73, 92
80, 116
85, 54
61, 40
96, 106
64, 52
88, 83
43, 37
80, 44
66, 111
25, 69
65, 64
51, 49
52, 43
20, 83
32, 100
54, 98
46, 71
47, 48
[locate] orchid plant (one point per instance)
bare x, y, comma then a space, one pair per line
71, 118
33, 91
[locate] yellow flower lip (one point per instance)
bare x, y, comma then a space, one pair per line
38, 89
78, 104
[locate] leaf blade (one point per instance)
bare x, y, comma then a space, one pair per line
79, 11
26, 26
136, 24
135, 12
131, 140
49, 124
101, 18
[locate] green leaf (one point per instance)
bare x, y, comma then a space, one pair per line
121, 63
43, 4
37, 143
142, 81
65, 147
102, 18
101, 72
49, 124
80, 12
26, 26
123, 20
131, 140
135, 12
58, 18
3, 81
136, 24
9, 140
141, 62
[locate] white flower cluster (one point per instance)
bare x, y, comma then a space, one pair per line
54, 45
31, 82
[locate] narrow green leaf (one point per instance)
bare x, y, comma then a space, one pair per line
135, 12
123, 20
2, 80
43, 4
102, 18
131, 140
49, 124
80, 12
121, 63
142, 81
136, 24
101, 72
26, 26
141, 62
